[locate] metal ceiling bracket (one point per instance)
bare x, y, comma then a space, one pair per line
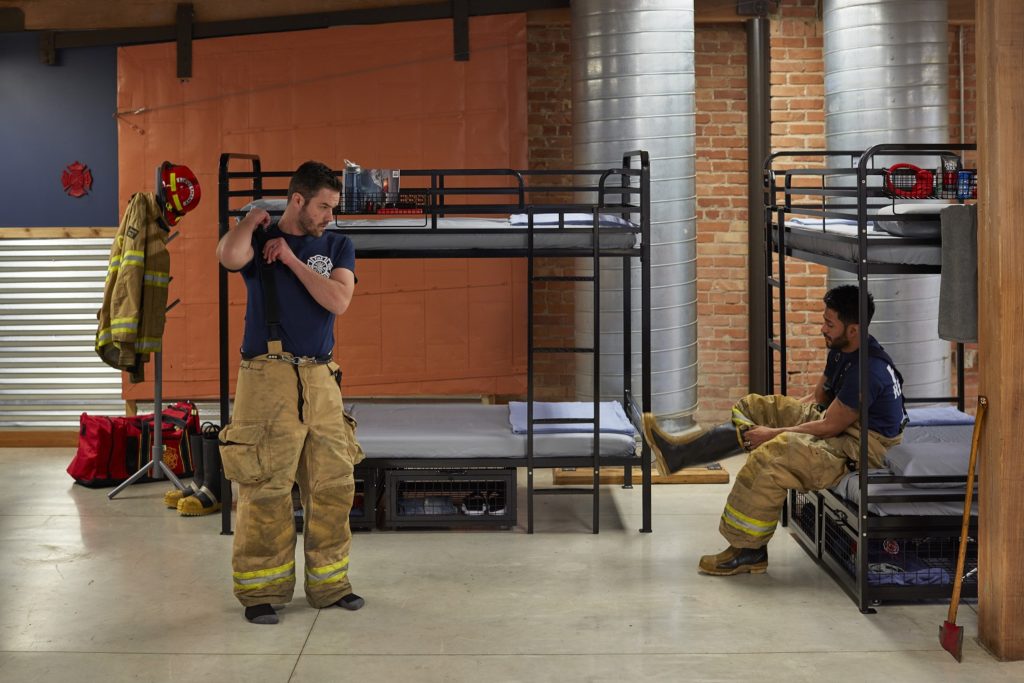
756, 8
460, 29
48, 48
183, 34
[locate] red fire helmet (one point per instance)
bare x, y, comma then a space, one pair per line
177, 192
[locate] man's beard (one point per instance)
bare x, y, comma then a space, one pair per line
837, 344
309, 226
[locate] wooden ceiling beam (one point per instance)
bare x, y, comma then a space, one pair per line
74, 15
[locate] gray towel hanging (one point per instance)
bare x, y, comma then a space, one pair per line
958, 289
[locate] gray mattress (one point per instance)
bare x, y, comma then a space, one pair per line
415, 233
882, 247
464, 430
941, 435
477, 234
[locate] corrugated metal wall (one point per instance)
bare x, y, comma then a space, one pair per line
50, 290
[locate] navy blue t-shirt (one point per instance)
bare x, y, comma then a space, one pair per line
884, 395
307, 328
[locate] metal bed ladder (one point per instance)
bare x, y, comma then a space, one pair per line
531, 349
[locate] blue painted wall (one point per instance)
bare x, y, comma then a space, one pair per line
50, 117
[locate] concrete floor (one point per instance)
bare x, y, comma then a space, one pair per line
100, 590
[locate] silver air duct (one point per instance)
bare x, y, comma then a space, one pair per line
886, 79
634, 88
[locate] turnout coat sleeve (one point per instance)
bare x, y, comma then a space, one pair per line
132, 317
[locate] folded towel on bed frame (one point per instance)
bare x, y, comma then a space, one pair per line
613, 418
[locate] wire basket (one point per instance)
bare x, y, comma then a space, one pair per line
907, 181
383, 203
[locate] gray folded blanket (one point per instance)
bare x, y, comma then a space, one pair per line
958, 288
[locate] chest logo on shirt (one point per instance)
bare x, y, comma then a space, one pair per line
321, 264
897, 389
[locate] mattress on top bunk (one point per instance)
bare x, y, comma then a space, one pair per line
466, 430
477, 233
811, 235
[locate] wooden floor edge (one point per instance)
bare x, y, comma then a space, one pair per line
613, 475
25, 438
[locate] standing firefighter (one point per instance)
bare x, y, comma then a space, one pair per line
288, 423
806, 444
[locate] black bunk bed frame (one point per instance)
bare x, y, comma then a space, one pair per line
621, 191
831, 514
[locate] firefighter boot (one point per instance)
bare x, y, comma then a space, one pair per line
732, 561
171, 498
204, 501
690, 449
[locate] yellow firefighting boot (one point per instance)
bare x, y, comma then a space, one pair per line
204, 501
171, 498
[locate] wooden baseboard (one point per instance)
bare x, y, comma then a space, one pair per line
26, 438
613, 475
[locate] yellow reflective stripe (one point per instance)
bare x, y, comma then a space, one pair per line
264, 584
327, 569
144, 344
262, 573
332, 573
124, 324
133, 258
741, 420
156, 278
748, 525
261, 578
104, 334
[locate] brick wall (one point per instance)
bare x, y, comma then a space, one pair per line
721, 127
549, 135
797, 114
798, 122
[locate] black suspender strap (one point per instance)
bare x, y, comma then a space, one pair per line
268, 283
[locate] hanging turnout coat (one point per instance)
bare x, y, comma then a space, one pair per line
131, 320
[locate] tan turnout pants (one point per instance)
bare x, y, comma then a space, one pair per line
789, 461
289, 426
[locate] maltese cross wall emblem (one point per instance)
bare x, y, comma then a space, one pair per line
76, 179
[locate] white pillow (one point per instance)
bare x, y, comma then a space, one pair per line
910, 220
270, 204
925, 459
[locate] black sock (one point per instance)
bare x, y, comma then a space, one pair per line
261, 614
350, 602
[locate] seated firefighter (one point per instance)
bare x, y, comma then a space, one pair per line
806, 444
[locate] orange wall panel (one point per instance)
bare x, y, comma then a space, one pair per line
383, 96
